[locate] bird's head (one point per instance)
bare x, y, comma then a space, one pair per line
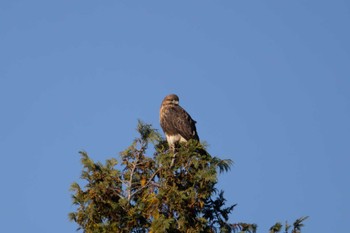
171, 99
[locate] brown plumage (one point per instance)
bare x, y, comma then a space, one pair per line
176, 123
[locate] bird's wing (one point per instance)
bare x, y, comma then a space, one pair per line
177, 121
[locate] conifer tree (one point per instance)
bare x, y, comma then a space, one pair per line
154, 193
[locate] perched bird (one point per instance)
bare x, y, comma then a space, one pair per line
176, 123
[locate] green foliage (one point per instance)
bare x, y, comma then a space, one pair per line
165, 192
297, 225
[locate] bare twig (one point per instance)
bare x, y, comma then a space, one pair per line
148, 182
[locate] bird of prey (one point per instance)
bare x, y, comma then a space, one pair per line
176, 123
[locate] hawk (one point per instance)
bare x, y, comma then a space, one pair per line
177, 124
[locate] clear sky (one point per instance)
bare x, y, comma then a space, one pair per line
267, 81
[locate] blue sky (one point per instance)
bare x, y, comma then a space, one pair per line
267, 81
